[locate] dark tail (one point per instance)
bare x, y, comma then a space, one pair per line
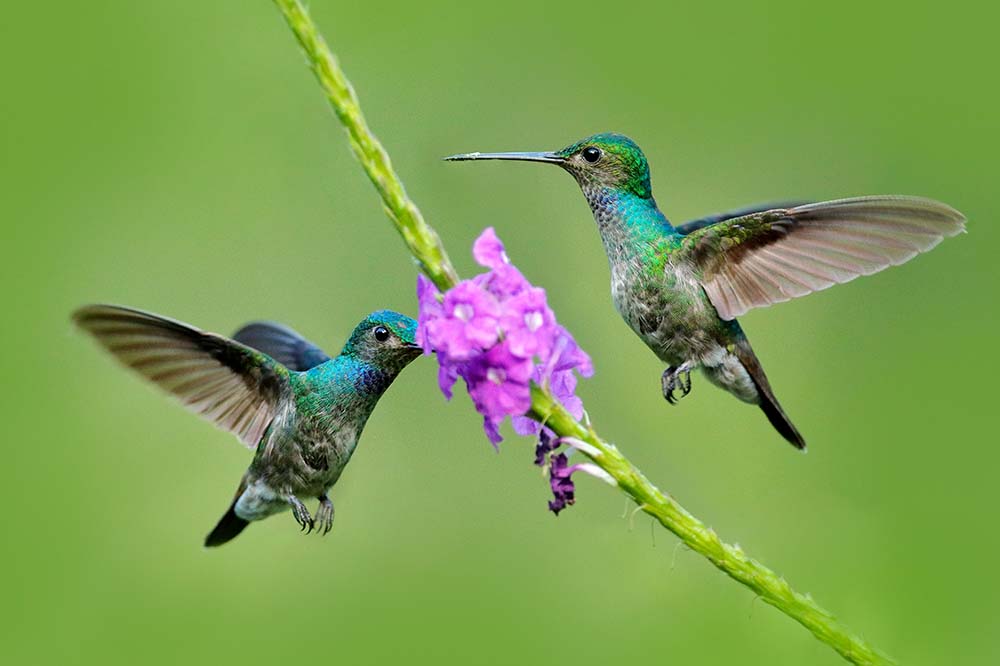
228, 528
772, 409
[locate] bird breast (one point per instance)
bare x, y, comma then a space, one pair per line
666, 307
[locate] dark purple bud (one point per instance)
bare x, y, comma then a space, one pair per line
546, 445
561, 483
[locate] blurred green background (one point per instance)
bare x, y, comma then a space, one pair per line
179, 157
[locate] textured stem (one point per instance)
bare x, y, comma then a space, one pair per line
420, 238
768, 585
426, 248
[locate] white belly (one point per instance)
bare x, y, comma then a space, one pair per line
259, 501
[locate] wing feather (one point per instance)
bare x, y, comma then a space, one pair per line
236, 387
282, 344
702, 222
775, 255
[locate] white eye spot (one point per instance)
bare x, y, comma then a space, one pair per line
464, 312
496, 375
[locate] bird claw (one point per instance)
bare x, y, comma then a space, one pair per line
301, 514
324, 516
678, 378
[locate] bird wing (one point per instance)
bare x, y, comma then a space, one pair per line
776, 255
694, 225
282, 344
237, 388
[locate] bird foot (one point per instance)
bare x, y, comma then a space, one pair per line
324, 516
301, 514
676, 378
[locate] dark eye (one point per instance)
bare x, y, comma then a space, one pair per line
591, 154
381, 333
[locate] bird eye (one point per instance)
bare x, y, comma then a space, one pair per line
591, 154
381, 333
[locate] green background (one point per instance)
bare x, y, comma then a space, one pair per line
179, 157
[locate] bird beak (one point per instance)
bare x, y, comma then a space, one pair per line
554, 158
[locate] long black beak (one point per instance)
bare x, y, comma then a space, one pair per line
550, 157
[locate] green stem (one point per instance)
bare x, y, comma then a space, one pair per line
420, 238
425, 246
768, 585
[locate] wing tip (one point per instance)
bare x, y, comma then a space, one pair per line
943, 211
85, 313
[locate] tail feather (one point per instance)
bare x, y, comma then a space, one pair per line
768, 403
776, 415
229, 526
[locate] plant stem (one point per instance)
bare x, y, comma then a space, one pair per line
420, 238
426, 248
702, 539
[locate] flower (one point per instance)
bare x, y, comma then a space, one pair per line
497, 332
562, 385
561, 472
563, 490
467, 324
488, 251
530, 324
498, 385
567, 355
429, 305
547, 443
447, 376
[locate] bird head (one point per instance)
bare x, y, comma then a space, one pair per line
602, 161
385, 339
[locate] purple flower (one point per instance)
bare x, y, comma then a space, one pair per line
503, 282
447, 376
497, 332
561, 472
525, 426
467, 324
561, 483
429, 303
567, 355
492, 429
498, 383
488, 251
562, 385
547, 443
528, 324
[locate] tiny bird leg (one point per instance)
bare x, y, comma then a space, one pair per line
324, 516
301, 513
676, 378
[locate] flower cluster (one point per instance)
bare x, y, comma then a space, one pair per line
497, 332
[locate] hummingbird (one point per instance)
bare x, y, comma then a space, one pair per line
680, 289
300, 410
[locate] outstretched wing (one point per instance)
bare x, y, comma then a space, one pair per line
776, 255
235, 387
700, 223
282, 344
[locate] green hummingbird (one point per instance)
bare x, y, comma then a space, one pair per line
681, 288
301, 411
